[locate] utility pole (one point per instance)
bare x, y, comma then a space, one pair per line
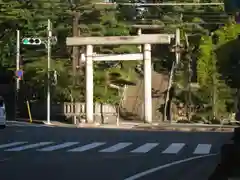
75, 54
49, 29
51, 40
17, 69
75, 48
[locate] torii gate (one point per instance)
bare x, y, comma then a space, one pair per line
146, 39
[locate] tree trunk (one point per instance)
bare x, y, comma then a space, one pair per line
168, 91
189, 98
102, 115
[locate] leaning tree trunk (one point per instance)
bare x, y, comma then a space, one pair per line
168, 92
189, 93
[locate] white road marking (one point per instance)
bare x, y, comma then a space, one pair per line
21, 148
174, 148
11, 144
202, 149
116, 147
13, 125
6, 159
24, 124
145, 148
153, 170
59, 146
87, 147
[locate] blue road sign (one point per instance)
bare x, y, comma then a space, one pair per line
19, 73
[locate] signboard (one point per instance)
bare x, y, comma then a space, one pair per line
19, 74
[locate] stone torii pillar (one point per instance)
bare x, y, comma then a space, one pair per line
89, 83
147, 83
147, 40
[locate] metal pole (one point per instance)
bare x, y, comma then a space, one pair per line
18, 59
49, 69
177, 44
139, 32
17, 69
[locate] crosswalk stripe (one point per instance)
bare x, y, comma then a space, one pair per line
59, 146
29, 146
116, 147
174, 148
202, 149
145, 148
87, 147
11, 144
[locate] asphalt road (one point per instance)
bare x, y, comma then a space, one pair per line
38, 152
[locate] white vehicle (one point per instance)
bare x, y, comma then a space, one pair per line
2, 114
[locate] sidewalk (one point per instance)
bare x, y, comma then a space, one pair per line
144, 126
153, 127
95, 125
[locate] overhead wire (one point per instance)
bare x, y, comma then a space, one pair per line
214, 17
160, 4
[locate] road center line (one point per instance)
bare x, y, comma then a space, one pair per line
152, 170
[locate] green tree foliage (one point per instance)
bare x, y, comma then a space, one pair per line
215, 68
30, 17
220, 61
228, 54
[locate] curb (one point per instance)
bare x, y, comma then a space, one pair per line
53, 125
186, 129
28, 121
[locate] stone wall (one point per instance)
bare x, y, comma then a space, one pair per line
133, 104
